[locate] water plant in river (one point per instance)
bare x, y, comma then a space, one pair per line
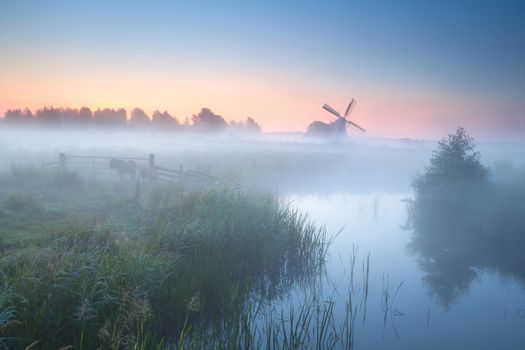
310, 317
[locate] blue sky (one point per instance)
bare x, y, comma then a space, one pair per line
416, 67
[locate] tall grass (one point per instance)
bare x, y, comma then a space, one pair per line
155, 270
308, 318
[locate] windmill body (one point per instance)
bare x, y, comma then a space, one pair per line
339, 128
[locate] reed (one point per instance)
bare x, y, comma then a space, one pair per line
152, 269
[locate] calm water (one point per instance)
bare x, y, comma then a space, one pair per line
439, 305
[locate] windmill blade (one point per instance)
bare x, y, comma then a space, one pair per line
331, 110
354, 124
350, 107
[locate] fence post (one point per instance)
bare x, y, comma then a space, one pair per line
151, 160
152, 170
62, 160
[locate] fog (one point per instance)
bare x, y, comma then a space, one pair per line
422, 221
289, 162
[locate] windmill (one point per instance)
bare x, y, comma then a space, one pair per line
342, 122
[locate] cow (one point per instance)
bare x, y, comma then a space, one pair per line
123, 167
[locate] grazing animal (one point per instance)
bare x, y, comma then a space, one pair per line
123, 167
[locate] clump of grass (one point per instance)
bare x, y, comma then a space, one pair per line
307, 319
7, 312
23, 174
21, 201
310, 325
183, 260
66, 179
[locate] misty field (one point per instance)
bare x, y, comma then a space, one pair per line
92, 260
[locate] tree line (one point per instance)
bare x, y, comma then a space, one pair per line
205, 121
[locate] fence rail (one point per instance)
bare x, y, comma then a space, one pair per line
123, 166
107, 157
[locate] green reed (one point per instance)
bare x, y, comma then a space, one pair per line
150, 269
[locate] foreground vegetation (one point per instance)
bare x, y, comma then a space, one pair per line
92, 265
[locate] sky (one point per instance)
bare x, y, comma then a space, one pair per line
418, 68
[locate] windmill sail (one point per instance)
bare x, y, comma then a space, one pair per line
350, 107
331, 110
354, 124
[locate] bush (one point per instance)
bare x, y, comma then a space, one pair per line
463, 223
455, 160
448, 185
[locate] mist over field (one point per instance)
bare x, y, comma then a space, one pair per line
290, 207
288, 162
277, 174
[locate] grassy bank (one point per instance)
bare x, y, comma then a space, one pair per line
94, 265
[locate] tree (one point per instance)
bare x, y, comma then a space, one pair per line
18, 117
164, 120
207, 121
70, 116
49, 116
139, 118
448, 190
110, 117
85, 115
320, 129
251, 126
454, 160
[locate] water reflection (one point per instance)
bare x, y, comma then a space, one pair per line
453, 254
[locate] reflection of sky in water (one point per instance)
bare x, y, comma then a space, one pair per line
485, 317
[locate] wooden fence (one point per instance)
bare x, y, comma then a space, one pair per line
144, 168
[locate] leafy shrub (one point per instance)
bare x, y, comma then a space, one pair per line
454, 160
465, 222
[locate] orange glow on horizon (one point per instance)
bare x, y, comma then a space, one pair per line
276, 107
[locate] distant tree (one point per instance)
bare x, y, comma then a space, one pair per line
110, 117
18, 117
320, 129
207, 121
70, 116
49, 116
164, 120
139, 118
249, 126
85, 115
121, 117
